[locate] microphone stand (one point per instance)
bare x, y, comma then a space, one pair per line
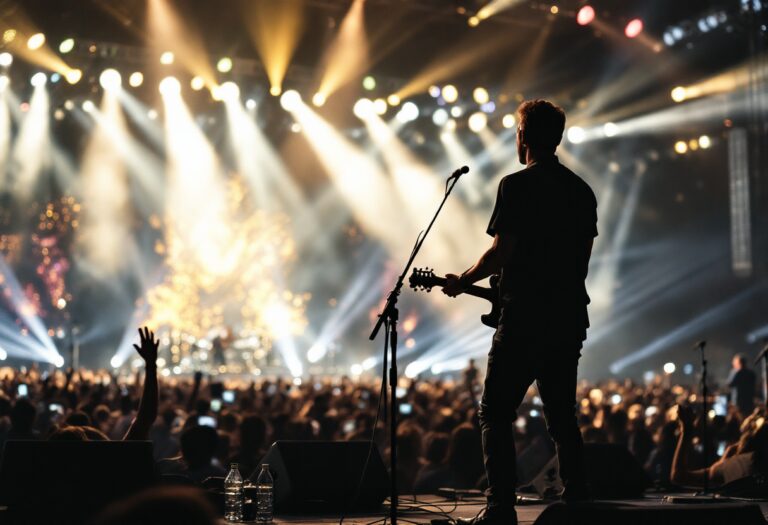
389, 317
764, 356
704, 434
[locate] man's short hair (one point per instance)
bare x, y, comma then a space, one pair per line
542, 124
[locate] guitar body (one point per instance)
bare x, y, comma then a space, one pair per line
492, 318
426, 279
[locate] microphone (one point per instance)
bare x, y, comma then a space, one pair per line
700, 345
459, 172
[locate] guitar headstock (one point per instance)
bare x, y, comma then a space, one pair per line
423, 279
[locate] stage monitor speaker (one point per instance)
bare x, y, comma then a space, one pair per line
612, 472
325, 476
67, 482
645, 512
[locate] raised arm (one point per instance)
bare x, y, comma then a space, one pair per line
139, 429
681, 473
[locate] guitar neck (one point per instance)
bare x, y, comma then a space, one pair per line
474, 290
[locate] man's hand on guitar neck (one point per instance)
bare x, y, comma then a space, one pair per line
454, 285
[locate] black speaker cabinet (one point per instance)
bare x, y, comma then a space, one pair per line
325, 476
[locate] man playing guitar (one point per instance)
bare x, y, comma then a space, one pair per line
543, 226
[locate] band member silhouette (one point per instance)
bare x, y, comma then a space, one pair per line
543, 226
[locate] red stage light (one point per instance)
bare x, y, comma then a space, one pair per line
585, 15
634, 28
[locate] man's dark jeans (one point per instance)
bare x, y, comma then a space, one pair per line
513, 364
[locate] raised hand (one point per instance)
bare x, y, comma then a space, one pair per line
149, 346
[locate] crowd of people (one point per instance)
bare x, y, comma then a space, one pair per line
198, 425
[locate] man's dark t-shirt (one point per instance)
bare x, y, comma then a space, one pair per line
742, 383
552, 215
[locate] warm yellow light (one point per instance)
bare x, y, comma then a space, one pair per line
224, 65
67, 45
275, 91
508, 121
197, 83
477, 121
704, 142
167, 58
554, 9
36, 41
679, 94
681, 147
170, 86
73, 76
318, 99
480, 94
393, 100
380, 106
136, 79
9, 35
450, 93
473, 21
693, 144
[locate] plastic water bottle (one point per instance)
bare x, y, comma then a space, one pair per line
233, 495
265, 487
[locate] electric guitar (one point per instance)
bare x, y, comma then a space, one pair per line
425, 279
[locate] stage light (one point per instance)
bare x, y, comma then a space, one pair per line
473, 21
450, 125
58, 361
610, 129
633, 28
702, 24
152, 114
290, 100
681, 147
440, 117
456, 111
409, 112
295, 127
136, 79
669, 40
169, 86
67, 45
110, 79
250, 104
73, 76
88, 106
434, 91
393, 100
669, 368
197, 83
585, 15
705, 142
275, 91
679, 94
318, 99
369, 83
36, 41
477, 122
380, 106
224, 65
228, 91
6, 59
450, 93
693, 144
38, 79
508, 121
3, 354
9, 35
480, 95
55, 77
356, 369
554, 9
167, 58
4, 82
363, 108
576, 134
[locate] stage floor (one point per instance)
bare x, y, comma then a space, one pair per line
427, 508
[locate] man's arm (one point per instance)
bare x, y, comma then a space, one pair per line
681, 473
490, 262
147, 414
